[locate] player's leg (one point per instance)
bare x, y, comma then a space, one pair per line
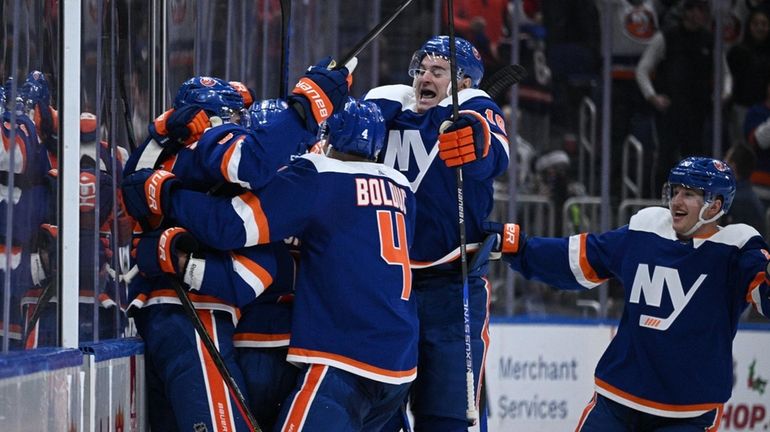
603, 415
324, 399
438, 396
390, 406
192, 384
708, 422
269, 380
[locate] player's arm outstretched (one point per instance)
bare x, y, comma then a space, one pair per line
582, 261
225, 223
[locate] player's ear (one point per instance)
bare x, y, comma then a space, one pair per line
465, 83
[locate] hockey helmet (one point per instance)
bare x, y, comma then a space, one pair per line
712, 176
359, 129
262, 112
215, 96
35, 90
468, 58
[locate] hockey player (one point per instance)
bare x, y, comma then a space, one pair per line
28, 196
356, 340
687, 282
236, 155
477, 142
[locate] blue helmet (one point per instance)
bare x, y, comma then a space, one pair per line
468, 58
35, 91
712, 176
359, 129
213, 95
262, 112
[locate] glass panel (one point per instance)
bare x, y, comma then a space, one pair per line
27, 173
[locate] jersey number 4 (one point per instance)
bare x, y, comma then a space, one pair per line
392, 254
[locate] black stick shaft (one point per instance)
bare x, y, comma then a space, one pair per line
373, 33
216, 356
471, 412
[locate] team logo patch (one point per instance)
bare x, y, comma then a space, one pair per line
720, 165
639, 24
207, 81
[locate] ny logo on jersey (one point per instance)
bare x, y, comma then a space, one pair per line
653, 293
401, 145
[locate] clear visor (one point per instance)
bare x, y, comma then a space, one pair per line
668, 193
416, 68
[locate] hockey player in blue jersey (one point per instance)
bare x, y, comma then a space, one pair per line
687, 281
476, 141
354, 329
236, 156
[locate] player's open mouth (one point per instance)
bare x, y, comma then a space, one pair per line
427, 94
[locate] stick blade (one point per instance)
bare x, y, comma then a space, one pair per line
503, 79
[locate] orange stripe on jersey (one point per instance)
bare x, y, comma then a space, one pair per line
587, 410
304, 398
261, 337
223, 167
260, 219
258, 271
355, 363
656, 405
758, 280
195, 298
717, 421
585, 266
219, 401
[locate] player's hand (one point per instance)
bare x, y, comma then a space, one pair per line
146, 194
184, 125
163, 252
320, 93
465, 140
511, 239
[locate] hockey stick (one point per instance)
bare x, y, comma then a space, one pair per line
507, 76
471, 414
373, 33
285, 44
42, 300
216, 356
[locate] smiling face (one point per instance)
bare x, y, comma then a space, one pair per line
685, 205
431, 82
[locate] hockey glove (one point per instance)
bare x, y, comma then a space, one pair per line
157, 253
248, 95
511, 240
146, 194
465, 140
320, 93
184, 125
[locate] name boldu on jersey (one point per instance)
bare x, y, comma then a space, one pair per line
374, 192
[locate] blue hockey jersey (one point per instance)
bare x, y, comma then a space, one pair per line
355, 220
412, 149
672, 355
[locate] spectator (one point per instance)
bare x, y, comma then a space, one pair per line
756, 129
749, 63
682, 60
747, 208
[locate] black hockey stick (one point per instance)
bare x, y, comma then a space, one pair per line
49, 290
373, 33
285, 44
471, 414
216, 356
507, 76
